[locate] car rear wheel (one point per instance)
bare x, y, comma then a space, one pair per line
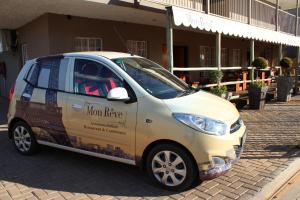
23, 139
171, 167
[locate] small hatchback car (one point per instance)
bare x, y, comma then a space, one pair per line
128, 109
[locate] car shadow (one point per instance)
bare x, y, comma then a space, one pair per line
60, 170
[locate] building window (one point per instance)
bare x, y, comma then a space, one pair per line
236, 57
224, 57
137, 47
24, 52
88, 44
207, 56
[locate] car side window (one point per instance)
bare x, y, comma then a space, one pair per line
94, 79
32, 74
51, 73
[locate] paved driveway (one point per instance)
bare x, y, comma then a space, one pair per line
56, 174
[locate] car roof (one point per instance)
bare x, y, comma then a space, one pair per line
106, 54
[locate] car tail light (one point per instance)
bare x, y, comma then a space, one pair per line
11, 91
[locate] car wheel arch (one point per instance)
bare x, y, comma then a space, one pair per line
146, 151
12, 123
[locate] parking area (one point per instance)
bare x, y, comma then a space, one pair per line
272, 144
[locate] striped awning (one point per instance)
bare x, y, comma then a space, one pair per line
201, 21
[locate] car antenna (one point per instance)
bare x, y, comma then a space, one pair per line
122, 40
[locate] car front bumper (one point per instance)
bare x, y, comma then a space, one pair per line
216, 170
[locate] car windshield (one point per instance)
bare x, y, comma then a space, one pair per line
153, 78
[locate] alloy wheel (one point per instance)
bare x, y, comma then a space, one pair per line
169, 168
22, 138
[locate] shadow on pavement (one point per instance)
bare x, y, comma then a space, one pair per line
59, 170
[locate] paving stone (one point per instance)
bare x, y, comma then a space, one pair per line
210, 184
236, 184
202, 195
240, 191
229, 194
218, 197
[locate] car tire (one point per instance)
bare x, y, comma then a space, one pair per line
171, 167
23, 139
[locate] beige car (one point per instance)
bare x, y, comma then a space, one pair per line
125, 108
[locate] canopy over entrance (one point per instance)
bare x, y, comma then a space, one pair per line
202, 21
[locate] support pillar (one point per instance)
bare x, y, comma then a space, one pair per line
252, 57
297, 20
280, 56
277, 16
249, 11
297, 72
169, 31
218, 52
207, 9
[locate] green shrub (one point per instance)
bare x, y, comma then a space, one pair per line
215, 76
286, 64
260, 63
219, 90
258, 84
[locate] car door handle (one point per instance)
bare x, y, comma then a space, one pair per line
76, 106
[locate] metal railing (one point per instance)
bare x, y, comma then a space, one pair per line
233, 9
199, 69
196, 5
298, 32
287, 22
263, 15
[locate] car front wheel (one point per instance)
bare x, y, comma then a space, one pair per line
171, 167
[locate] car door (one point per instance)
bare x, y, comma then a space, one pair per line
96, 124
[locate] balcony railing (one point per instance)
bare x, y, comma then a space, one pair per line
233, 9
287, 22
262, 14
190, 4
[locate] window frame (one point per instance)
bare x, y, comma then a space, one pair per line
131, 43
88, 48
234, 51
36, 63
72, 77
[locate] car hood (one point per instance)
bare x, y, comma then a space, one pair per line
204, 104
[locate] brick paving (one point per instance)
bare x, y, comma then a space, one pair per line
55, 174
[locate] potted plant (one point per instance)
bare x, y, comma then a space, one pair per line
216, 77
285, 81
219, 91
258, 90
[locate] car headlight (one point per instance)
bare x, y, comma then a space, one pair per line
202, 124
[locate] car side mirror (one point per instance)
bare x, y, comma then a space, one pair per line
118, 94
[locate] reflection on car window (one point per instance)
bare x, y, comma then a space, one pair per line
92, 78
153, 78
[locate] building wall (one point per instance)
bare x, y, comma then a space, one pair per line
36, 35
63, 30
54, 34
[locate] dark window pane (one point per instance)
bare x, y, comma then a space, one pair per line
92, 78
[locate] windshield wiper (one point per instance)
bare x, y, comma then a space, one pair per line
186, 92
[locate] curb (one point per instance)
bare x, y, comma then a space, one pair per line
272, 187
